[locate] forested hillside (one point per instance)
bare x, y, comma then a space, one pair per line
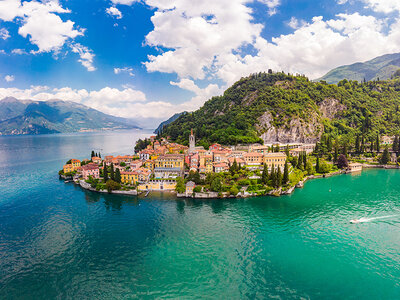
286, 108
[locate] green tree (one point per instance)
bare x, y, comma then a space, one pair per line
278, 178
216, 185
272, 176
112, 176
234, 168
385, 158
357, 145
336, 153
377, 144
304, 160
117, 175
264, 175
317, 166
105, 172
234, 190
285, 179
111, 185
310, 168
395, 145
92, 154
180, 185
342, 162
287, 152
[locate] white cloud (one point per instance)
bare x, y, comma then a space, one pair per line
86, 56
113, 11
9, 78
128, 70
41, 24
4, 34
124, 2
295, 23
272, 6
19, 51
384, 6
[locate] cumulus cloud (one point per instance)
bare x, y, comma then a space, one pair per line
272, 6
9, 78
127, 70
41, 24
115, 12
86, 56
295, 23
4, 34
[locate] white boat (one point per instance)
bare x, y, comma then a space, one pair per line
355, 221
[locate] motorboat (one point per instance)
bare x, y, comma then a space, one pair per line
355, 221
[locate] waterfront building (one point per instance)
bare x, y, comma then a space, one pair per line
68, 168
190, 185
90, 170
157, 185
277, 159
129, 177
143, 174
354, 167
387, 140
76, 163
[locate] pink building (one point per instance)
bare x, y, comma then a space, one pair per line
90, 170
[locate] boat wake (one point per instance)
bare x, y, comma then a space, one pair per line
364, 220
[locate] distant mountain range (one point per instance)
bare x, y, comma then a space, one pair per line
382, 67
54, 116
170, 120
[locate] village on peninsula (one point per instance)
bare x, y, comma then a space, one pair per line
225, 171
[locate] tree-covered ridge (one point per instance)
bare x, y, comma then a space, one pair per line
367, 108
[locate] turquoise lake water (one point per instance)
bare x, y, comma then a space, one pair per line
60, 242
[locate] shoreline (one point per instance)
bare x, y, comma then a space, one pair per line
215, 195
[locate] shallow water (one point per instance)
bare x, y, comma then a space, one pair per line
58, 241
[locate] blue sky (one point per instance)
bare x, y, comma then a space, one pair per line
151, 58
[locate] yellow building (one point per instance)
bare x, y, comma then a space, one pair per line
277, 159
76, 163
149, 164
208, 162
129, 177
68, 168
253, 158
157, 185
169, 161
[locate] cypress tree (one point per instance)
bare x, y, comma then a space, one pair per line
345, 149
272, 177
264, 176
99, 154
300, 161
287, 152
286, 173
357, 146
112, 177
372, 146
278, 177
118, 176
377, 144
385, 156
395, 144
304, 160
105, 173
317, 165
92, 154
336, 154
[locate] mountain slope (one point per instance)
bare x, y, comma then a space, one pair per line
285, 108
54, 116
165, 123
382, 67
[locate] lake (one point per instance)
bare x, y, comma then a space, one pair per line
59, 241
